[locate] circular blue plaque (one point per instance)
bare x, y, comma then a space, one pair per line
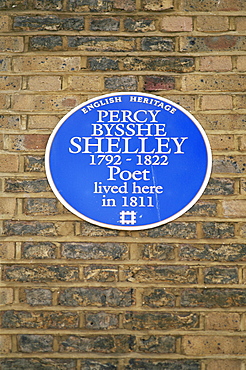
128, 161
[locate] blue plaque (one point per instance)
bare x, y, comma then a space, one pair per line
128, 161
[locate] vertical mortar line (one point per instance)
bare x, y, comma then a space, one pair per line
19, 206
240, 275
199, 230
81, 273
243, 365
79, 364
121, 364
24, 122
138, 296
16, 295
202, 321
219, 208
134, 252
55, 295
56, 342
138, 5
200, 279
14, 343
77, 228
237, 187
178, 345
232, 24
26, 44
18, 250
242, 321
87, 22
203, 366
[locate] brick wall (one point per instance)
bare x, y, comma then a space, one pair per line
75, 296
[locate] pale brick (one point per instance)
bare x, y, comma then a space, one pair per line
86, 83
5, 343
6, 296
176, 24
222, 321
243, 142
11, 44
44, 83
4, 23
241, 63
7, 250
216, 102
240, 23
9, 163
7, 206
10, 82
224, 365
212, 23
210, 345
231, 82
216, 63
44, 102
222, 142
234, 208
157, 5
239, 101
42, 122
46, 63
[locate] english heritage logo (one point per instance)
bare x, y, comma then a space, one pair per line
128, 161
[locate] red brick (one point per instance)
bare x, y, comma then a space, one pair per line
234, 208
28, 142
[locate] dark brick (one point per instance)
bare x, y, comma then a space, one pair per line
40, 320
161, 252
91, 251
48, 4
146, 364
230, 164
49, 23
46, 43
213, 298
157, 43
101, 43
158, 297
17, 4
38, 250
213, 5
167, 64
214, 43
90, 5
222, 252
100, 343
35, 343
101, 320
108, 364
139, 25
99, 297
36, 228
38, 364
42, 206
159, 320
105, 24
88, 229
26, 185
203, 209
121, 83
9, 122
156, 83
34, 164
221, 275
101, 273
36, 297
167, 274
217, 230
182, 230
40, 273
217, 186
128, 5
103, 64
157, 344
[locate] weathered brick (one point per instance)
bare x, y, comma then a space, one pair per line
158, 297
10, 122
239, 101
48, 23
216, 102
213, 298
98, 343
91, 251
28, 102
101, 43
222, 252
5, 23
40, 320
5, 344
46, 43
4, 101
176, 24
216, 63
111, 297
157, 5
222, 321
209, 345
11, 44
42, 122
86, 83
186, 101
105, 24
221, 275
157, 43
26, 185
27, 142
7, 206
218, 230
46, 63
40, 364
157, 344
212, 23
88, 229
36, 297
157, 83
100, 364
139, 25
234, 208
213, 43
209, 83
101, 273
224, 364
101, 320
218, 186
37, 228
7, 250
222, 142
161, 251
240, 23
34, 164
213, 5
37, 273
183, 230
147, 364
89, 5
121, 83
44, 83
159, 320
103, 64
29, 343
6, 296
19, 4
167, 64
42, 206
167, 274
9, 163
230, 164
128, 5
38, 250
202, 209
